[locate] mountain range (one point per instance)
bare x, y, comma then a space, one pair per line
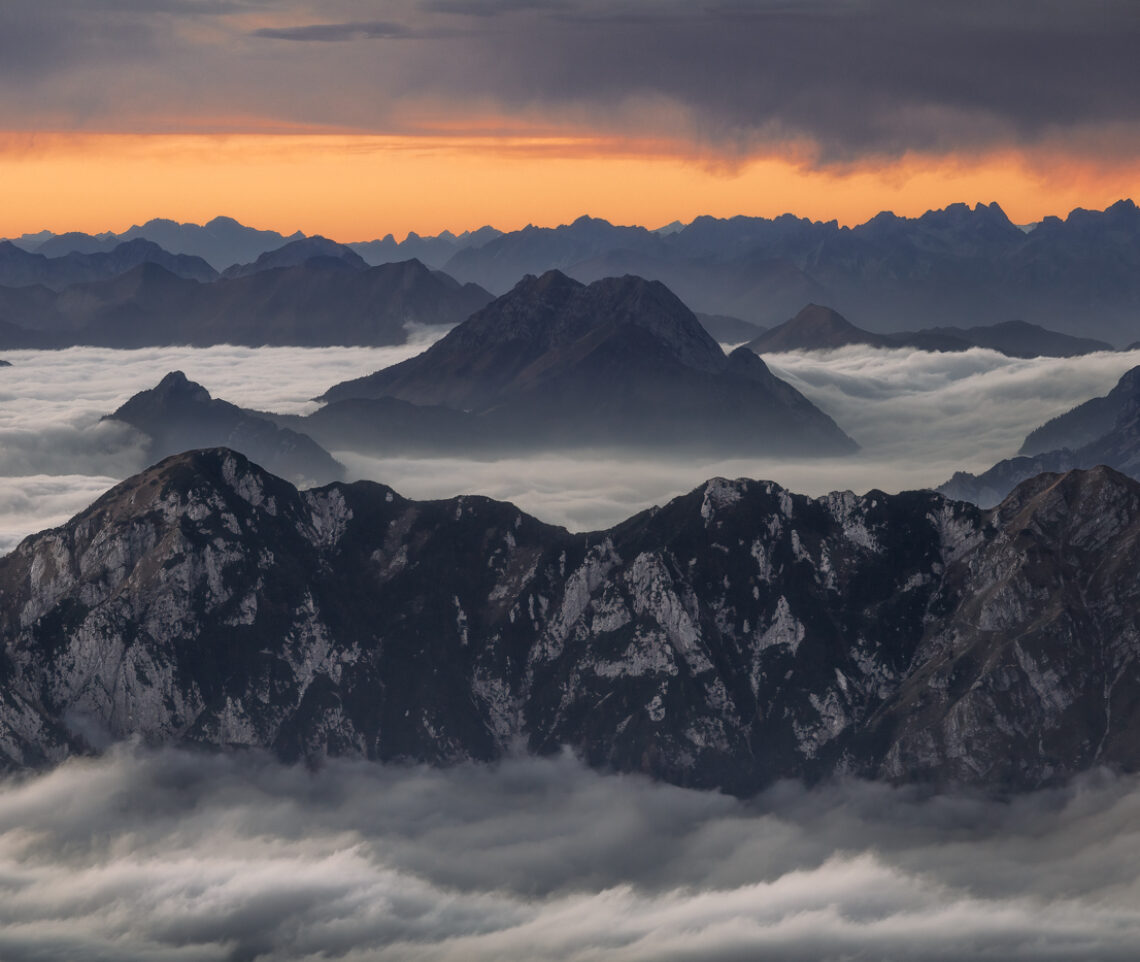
220, 242
320, 301
556, 363
818, 328
18, 268
223, 242
737, 635
1079, 275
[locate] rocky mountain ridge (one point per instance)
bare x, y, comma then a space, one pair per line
739, 634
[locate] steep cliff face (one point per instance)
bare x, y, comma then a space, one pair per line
739, 634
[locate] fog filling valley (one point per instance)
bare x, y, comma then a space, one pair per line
178, 855
918, 416
184, 855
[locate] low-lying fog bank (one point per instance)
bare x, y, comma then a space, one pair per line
918, 416
176, 855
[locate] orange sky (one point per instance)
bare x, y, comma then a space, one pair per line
360, 187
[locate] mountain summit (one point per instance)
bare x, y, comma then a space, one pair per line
737, 635
621, 360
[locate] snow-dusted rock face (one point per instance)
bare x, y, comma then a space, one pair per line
739, 634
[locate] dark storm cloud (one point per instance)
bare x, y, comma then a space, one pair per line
875, 76
337, 32
851, 78
174, 855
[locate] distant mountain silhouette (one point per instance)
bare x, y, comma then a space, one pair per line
1080, 275
815, 328
534, 250
818, 328
18, 268
76, 242
222, 241
433, 251
321, 302
622, 361
298, 252
1012, 338
179, 415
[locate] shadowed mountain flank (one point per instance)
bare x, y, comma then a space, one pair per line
621, 361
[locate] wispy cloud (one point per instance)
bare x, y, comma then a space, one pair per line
338, 32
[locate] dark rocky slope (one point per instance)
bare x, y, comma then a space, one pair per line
1104, 430
739, 634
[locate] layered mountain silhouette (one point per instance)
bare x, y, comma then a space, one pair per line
224, 242
322, 301
179, 414
619, 362
221, 242
1102, 431
433, 251
818, 328
296, 253
737, 635
1080, 275
18, 268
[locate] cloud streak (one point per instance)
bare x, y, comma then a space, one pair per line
175, 855
337, 32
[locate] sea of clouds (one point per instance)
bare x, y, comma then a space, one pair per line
174, 855
918, 416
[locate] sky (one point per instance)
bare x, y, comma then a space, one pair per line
356, 118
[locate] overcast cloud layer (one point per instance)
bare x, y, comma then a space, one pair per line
185, 856
854, 78
919, 417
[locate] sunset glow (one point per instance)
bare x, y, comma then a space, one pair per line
358, 187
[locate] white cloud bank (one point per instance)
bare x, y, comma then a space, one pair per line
173, 856
918, 416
